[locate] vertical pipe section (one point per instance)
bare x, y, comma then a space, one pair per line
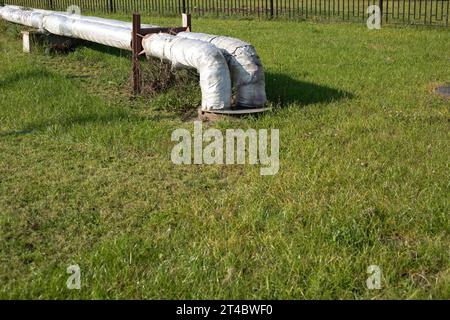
215, 82
247, 72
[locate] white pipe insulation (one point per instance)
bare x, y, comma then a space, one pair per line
110, 22
25, 17
222, 62
215, 81
247, 73
118, 37
104, 31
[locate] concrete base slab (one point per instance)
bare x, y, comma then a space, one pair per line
237, 111
211, 115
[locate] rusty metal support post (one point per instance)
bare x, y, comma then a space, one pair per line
136, 48
381, 11
138, 33
271, 9
186, 22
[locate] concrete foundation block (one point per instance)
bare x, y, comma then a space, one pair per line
51, 42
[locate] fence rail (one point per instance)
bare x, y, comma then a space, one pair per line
424, 12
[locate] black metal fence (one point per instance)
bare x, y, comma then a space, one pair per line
424, 12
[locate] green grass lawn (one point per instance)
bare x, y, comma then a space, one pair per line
86, 176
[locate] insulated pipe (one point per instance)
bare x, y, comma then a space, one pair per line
209, 61
25, 17
72, 26
109, 22
247, 73
212, 66
67, 26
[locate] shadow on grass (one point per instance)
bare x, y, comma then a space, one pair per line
21, 76
84, 120
64, 51
283, 90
